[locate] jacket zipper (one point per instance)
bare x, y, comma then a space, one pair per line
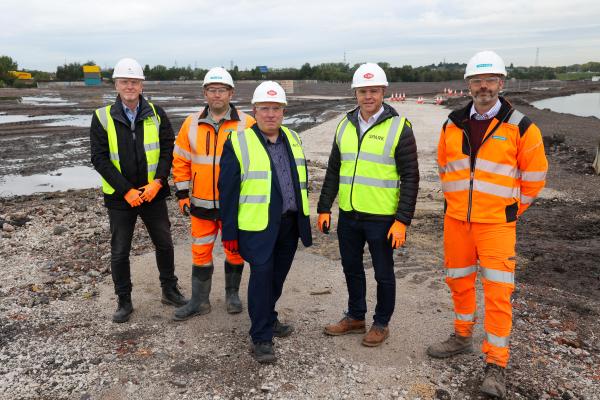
207, 142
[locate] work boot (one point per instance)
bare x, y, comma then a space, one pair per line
124, 309
263, 352
494, 382
345, 326
199, 304
455, 344
376, 336
282, 330
172, 296
233, 276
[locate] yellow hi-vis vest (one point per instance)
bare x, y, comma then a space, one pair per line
151, 142
256, 174
369, 180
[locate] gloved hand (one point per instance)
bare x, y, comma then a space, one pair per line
324, 222
133, 197
150, 190
397, 234
231, 245
184, 206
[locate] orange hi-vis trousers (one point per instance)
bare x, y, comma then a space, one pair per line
493, 245
204, 234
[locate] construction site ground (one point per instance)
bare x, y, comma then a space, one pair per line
57, 340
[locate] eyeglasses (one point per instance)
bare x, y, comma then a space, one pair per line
217, 90
266, 109
490, 80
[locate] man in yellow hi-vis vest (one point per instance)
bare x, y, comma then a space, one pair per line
132, 150
373, 170
264, 209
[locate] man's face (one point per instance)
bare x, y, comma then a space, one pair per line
269, 116
370, 98
484, 88
129, 89
218, 96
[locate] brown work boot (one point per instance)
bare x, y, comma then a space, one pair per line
453, 345
494, 382
345, 326
376, 335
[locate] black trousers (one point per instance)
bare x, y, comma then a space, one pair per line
122, 224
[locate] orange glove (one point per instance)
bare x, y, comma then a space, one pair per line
133, 197
231, 245
150, 190
184, 206
397, 234
324, 222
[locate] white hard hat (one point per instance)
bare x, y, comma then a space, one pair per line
485, 62
267, 92
128, 68
218, 75
369, 74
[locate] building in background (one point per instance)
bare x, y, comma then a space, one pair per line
91, 75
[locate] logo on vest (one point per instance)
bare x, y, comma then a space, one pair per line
368, 75
272, 93
376, 137
498, 137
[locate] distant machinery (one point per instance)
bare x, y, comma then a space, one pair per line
20, 75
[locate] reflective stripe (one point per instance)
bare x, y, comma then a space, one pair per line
256, 175
464, 317
456, 165
181, 152
155, 120
196, 159
303, 186
455, 186
497, 341
300, 162
244, 151
242, 123
151, 146
527, 199
496, 168
204, 240
103, 118
341, 131
391, 137
461, 272
346, 180
494, 189
182, 185
114, 156
348, 156
204, 203
498, 276
193, 129
152, 167
253, 199
295, 135
516, 117
376, 158
383, 183
533, 176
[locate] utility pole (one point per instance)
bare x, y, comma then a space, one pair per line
344, 56
537, 57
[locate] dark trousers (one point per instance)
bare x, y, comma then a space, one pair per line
352, 236
266, 281
122, 224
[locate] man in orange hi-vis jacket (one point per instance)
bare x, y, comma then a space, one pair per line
196, 158
492, 166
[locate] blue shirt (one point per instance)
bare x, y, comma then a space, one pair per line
130, 114
281, 162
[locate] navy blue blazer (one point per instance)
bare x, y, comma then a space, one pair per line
256, 247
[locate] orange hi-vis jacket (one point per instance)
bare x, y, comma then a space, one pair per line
506, 174
196, 158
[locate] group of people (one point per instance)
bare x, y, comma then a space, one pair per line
247, 177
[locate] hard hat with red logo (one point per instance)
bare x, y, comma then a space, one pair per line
218, 75
128, 68
369, 74
485, 62
269, 92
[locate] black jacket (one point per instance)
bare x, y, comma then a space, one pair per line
132, 156
406, 164
256, 247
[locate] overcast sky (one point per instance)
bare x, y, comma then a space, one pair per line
43, 34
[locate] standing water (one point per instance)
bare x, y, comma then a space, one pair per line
582, 104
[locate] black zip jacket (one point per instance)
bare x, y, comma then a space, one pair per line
407, 166
132, 156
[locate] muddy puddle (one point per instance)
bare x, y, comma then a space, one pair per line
77, 177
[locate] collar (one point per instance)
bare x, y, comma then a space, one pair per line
372, 118
491, 113
226, 117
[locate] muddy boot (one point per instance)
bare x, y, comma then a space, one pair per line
453, 345
172, 296
124, 309
199, 304
494, 382
233, 276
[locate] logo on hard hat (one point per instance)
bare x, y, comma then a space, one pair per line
483, 65
368, 75
272, 93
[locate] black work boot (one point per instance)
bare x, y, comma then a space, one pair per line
494, 382
172, 296
124, 309
199, 304
282, 330
263, 352
233, 277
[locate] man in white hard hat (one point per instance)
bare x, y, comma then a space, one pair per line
492, 166
373, 168
132, 149
264, 208
196, 170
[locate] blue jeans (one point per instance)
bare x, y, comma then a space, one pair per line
352, 236
266, 281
